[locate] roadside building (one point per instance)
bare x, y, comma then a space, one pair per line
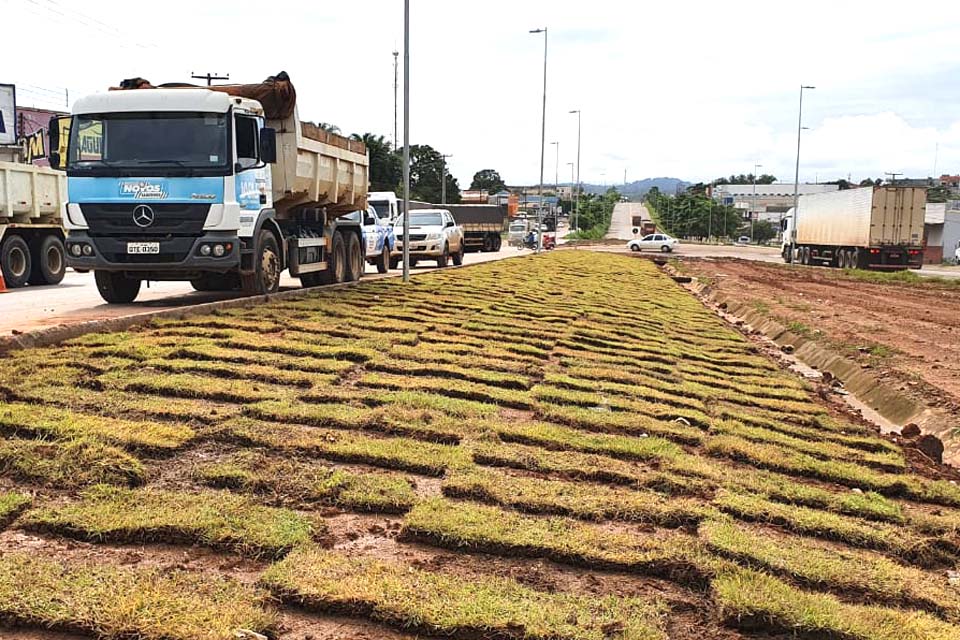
941, 232
771, 201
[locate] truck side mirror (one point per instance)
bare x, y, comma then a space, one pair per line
450, 223
59, 133
268, 145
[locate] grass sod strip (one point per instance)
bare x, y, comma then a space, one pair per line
388, 420
635, 403
299, 348
70, 464
561, 438
213, 518
780, 459
892, 461
11, 506
911, 547
419, 400
251, 372
63, 424
112, 602
292, 480
575, 499
573, 465
467, 526
755, 601
824, 567
402, 454
460, 389
447, 605
475, 373
673, 424
218, 354
491, 359
197, 387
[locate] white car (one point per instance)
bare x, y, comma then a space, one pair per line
655, 241
434, 235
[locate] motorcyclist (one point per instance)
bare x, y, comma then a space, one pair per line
531, 239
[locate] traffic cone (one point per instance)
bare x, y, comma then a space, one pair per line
3, 285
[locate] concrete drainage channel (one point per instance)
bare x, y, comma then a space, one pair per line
930, 430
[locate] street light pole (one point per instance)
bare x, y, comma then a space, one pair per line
443, 178
406, 140
753, 213
796, 176
576, 203
396, 85
556, 177
543, 139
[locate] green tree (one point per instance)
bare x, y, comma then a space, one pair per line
331, 128
693, 216
764, 230
386, 166
426, 167
488, 179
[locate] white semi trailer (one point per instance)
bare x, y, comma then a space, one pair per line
31, 238
223, 186
867, 228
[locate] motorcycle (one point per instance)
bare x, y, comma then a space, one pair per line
549, 242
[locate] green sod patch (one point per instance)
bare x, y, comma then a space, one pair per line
561, 438
68, 464
674, 424
823, 566
192, 386
217, 354
447, 605
11, 505
111, 602
212, 518
402, 454
461, 525
62, 424
753, 600
461, 389
576, 499
252, 372
473, 373
299, 483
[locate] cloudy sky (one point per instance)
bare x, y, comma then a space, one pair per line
686, 89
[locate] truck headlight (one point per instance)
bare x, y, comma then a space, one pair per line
218, 250
433, 236
204, 249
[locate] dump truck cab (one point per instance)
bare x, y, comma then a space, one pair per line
189, 184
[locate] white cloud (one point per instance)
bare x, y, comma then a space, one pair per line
691, 89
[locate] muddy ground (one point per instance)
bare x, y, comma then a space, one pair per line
908, 334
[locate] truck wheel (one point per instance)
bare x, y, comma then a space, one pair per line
497, 243
384, 262
15, 261
395, 262
336, 262
487, 244
854, 258
266, 267
355, 262
116, 288
49, 261
458, 256
442, 260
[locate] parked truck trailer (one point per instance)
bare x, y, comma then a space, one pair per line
867, 228
31, 238
223, 186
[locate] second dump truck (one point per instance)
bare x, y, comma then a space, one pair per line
223, 186
867, 228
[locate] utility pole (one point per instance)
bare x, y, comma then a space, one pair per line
209, 77
576, 202
893, 177
396, 86
406, 140
543, 140
443, 178
796, 176
753, 213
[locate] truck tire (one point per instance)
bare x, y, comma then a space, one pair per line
116, 288
497, 243
395, 262
384, 262
49, 260
458, 256
444, 257
336, 262
355, 261
487, 244
266, 267
15, 261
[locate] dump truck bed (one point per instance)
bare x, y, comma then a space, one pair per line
30, 194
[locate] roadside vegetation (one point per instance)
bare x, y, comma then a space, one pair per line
564, 447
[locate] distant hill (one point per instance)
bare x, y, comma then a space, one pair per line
638, 188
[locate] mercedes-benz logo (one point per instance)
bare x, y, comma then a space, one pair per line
143, 216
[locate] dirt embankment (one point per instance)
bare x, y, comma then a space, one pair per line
908, 334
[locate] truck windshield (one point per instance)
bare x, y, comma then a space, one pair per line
424, 219
148, 142
382, 207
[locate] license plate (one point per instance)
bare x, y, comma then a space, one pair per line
143, 247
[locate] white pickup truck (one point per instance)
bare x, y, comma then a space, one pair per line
434, 235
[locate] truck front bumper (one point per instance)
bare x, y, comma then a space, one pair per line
168, 258
425, 249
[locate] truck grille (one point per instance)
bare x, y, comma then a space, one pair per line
418, 237
170, 219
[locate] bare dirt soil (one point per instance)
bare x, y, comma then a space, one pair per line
907, 333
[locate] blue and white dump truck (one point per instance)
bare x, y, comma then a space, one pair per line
222, 186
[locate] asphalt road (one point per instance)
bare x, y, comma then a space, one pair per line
76, 298
621, 222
